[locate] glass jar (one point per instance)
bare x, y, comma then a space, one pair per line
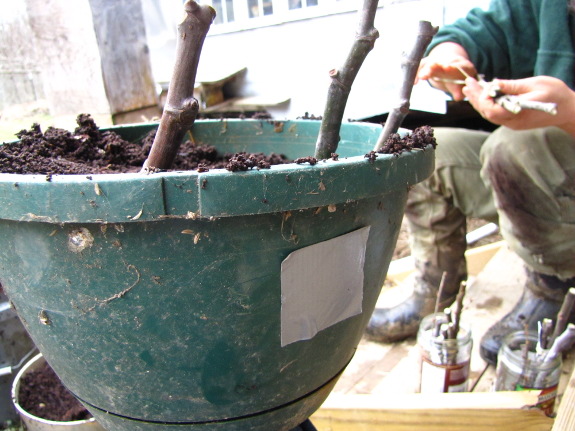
444, 360
520, 367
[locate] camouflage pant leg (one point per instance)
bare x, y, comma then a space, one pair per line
438, 207
532, 174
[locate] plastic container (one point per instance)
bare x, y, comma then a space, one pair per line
35, 423
444, 361
161, 300
519, 367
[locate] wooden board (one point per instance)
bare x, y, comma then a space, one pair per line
243, 104
476, 257
566, 413
125, 60
508, 411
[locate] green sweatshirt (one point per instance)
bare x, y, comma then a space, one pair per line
516, 39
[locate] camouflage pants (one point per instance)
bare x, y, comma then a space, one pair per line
522, 180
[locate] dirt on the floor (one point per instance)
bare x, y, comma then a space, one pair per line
89, 150
43, 395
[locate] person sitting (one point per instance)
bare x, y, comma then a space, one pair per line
521, 176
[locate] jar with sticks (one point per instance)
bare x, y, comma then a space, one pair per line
445, 347
445, 354
521, 367
533, 360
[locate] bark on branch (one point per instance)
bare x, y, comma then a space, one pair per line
342, 80
181, 108
409, 66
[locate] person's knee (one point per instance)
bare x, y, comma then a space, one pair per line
503, 142
523, 168
519, 147
507, 152
458, 147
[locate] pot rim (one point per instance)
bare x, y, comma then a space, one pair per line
122, 198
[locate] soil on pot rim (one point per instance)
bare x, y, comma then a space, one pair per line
89, 150
43, 395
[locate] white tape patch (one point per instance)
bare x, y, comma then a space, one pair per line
322, 285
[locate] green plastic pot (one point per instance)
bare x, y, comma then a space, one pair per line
158, 299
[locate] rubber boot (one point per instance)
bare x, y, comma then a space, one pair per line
542, 298
398, 323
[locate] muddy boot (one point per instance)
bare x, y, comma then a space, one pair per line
402, 321
542, 298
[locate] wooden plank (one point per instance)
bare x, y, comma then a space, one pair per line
502, 400
243, 104
218, 77
566, 379
476, 257
366, 361
405, 377
388, 366
125, 58
432, 412
566, 412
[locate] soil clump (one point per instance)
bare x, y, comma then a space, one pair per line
89, 150
43, 395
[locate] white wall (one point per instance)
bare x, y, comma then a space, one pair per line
292, 60
20, 79
67, 55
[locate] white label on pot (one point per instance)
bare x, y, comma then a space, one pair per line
322, 285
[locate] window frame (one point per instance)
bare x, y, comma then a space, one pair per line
281, 13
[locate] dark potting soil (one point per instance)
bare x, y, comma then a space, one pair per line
43, 395
89, 150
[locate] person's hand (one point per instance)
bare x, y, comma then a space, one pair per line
539, 88
442, 68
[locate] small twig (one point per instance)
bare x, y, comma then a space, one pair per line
436, 324
181, 108
440, 291
524, 376
409, 67
545, 329
342, 80
515, 105
562, 343
459, 307
467, 75
445, 331
563, 315
447, 313
452, 81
